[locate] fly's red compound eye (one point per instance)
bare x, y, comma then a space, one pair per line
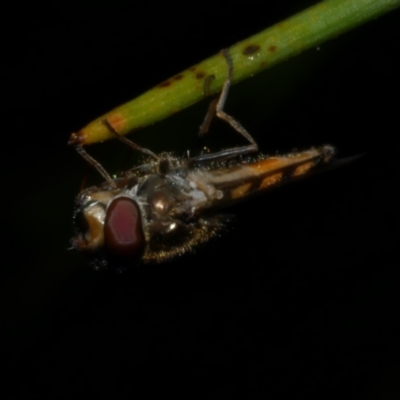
123, 232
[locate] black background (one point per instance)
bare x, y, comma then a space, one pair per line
300, 298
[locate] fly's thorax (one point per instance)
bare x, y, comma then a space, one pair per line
173, 195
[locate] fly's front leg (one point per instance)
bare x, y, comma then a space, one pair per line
95, 164
216, 108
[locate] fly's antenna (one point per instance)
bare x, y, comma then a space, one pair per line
95, 164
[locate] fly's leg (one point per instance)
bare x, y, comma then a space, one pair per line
128, 142
95, 164
216, 109
205, 126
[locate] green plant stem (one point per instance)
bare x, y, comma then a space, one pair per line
303, 31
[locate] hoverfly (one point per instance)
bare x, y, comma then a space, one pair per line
169, 205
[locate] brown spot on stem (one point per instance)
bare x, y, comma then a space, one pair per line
200, 75
76, 138
272, 48
117, 121
165, 84
178, 77
192, 69
251, 49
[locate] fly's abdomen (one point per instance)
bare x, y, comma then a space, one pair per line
229, 184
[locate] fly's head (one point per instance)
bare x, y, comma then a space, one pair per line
109, 225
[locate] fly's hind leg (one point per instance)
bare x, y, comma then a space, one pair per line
216, 108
